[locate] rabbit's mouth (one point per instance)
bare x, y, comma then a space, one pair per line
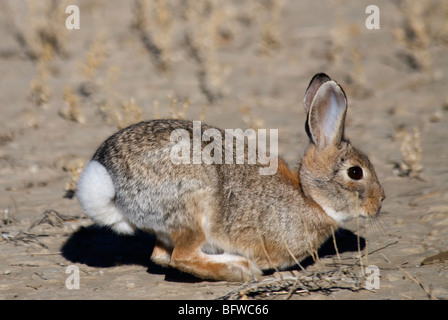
338, 216
344, 216
377, 212
372, 207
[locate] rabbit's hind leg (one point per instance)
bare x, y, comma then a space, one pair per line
187, 256
161, 254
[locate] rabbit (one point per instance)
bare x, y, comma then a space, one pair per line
226, 221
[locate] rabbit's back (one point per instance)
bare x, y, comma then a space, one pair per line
150, 189
234, 200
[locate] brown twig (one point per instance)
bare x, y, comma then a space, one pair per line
419, 283
53, 218
325, 282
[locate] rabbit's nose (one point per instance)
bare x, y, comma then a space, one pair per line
383, 195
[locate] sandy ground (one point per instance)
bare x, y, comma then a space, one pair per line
234, 65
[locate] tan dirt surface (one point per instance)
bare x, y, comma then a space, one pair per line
232, 64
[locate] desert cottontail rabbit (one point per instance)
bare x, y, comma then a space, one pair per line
227, 221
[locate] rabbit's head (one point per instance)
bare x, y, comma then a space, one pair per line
337, 176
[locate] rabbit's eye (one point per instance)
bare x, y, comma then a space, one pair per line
355, 173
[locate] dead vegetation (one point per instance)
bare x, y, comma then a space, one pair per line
41, 31
423, 26
71, 110
53, 218
285, 286
323, 277
40, 39
74, 168
21, 237
153, 23
411, 151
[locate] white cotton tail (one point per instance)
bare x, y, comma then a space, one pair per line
95, 192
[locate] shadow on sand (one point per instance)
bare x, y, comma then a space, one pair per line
102, 248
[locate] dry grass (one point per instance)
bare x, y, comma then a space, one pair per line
178, 110
38, 28
71, 110
171, 31
422, 286
153, 22
53, 218
130, 113
251, 120
21, 237
121, 115
203, 19
271, 34
40, 38
286, 286
40, 91
348, 57
323, 278
411, 151
95, 57
423, 26
74, 168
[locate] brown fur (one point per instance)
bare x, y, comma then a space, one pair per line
188, 257
290, 176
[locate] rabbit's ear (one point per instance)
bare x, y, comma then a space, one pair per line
315, 83
326, 117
